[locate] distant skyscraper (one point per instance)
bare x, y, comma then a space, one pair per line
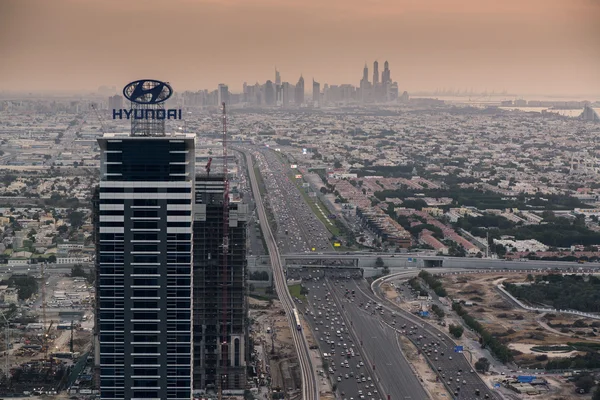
223, 94
299, 92
143, 234
269, 93
375, 73
386, 82
589, 114
287, 91
277, 77
392, 91
365, 86
316, 92
115, 102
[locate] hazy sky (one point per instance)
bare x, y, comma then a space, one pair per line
523, 46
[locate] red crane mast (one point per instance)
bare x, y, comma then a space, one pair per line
225, 257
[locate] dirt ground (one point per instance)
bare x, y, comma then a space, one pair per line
282, 362
389, 291
434, 387
519, 327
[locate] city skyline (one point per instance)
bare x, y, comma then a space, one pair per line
541, 47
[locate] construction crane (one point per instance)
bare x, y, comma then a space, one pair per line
100, 119
225, 271
45, 339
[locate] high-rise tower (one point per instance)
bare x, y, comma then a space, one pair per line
365, 86
220, 334
316, 92
299, 91
375, 73
385, 77
143, 233
223, 93
277, 77
144, 266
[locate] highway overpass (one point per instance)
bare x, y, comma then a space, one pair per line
396, 262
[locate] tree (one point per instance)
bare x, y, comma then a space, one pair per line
78, 271
482, 365
456, 330
75, 219
585, 382
303, 290
251, 288
337, 164
529, 278
379, 262
596, 395
386, 270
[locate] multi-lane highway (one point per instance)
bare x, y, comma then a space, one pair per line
310, 389
375, 345
298, 229
450, 361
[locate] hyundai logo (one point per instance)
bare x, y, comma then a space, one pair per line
147, 91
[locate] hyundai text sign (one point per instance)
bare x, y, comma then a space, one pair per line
147, 92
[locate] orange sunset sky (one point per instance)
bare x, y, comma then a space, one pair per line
523, 46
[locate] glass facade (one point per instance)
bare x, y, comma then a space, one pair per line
143, 214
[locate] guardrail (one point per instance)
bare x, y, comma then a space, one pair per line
552, 310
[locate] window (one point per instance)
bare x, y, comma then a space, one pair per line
145, 190
143, 224
145, 394
144, 337
111, 337
179, 212
145, 258
113, 246
112, 190
145, 281
145, 349
110, 315
111, 212
145, 202
185, 293
145, 326
179, 190
111, 303
145, 213
145, 304
179, 236
111, 224
147, 371
145, 236
179, 281
179, 224
145, 270
145, 292
111, 281
179, 201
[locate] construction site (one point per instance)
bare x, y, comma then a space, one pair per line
47, 339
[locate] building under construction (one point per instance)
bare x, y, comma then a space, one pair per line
220, 305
